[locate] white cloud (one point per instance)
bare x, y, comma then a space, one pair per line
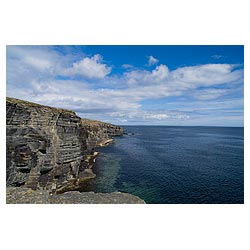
90, 67
217, 56
186, 77
155, 116
39, 64
161, 82
77, 96
60, 87
35, 58
152, 60
127, 66
160, 73
28, 63
206, 75
33, 74
210, 94
144, 77
151, 116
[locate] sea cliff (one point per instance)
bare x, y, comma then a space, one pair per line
50, 148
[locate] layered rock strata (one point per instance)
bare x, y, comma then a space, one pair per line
100, 133
50, 148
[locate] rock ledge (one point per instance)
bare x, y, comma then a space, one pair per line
22, 195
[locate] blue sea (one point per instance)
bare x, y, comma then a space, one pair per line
174, 165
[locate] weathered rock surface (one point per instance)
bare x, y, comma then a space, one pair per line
50, 148
24, 195
100, 133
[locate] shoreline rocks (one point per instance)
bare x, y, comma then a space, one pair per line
105, 143
22, 195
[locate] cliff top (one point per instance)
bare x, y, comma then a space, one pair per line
35, 105
84, 121
94, 122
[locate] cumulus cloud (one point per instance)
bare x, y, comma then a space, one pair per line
159, 74
144, 77
90, 67
152, 60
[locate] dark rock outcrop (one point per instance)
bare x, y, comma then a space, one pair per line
49, 148
24, 195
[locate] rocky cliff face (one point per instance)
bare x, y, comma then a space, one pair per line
50, 148
99, 133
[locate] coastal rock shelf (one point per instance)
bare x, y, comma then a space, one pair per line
24, 195
50, 148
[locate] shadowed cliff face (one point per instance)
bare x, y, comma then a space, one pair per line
49, 148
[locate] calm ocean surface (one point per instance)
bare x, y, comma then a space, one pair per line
162, 164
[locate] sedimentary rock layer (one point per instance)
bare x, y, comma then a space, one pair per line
24, 195
50, 148
100, 133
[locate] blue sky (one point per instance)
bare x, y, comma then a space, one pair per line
131, 85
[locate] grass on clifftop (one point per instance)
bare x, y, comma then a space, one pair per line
35, 105
92, 123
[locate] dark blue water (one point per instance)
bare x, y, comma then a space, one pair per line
174, 165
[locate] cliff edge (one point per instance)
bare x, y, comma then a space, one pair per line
50, 148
